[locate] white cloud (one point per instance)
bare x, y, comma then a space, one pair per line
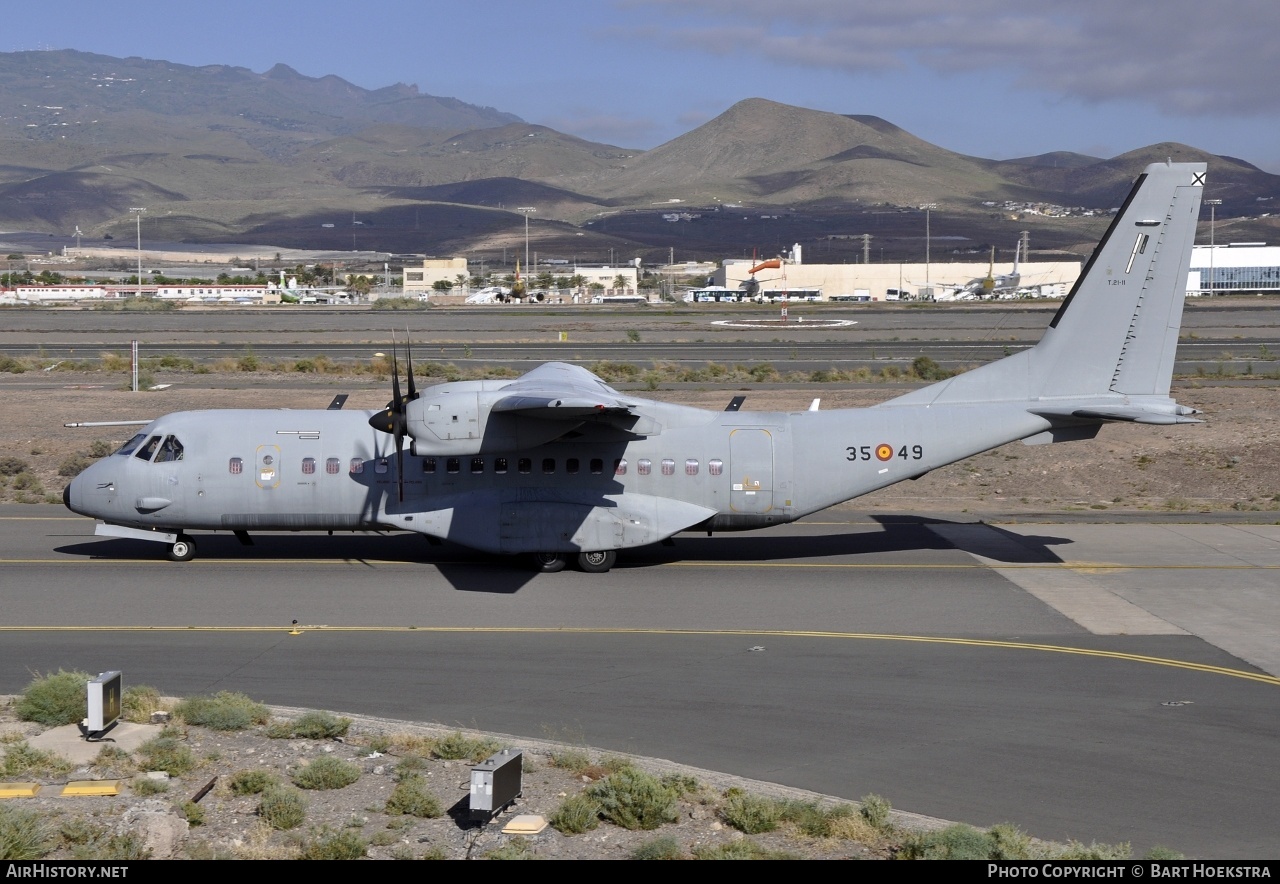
1178, 56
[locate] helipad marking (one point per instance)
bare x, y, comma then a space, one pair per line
778, 323
1262, 678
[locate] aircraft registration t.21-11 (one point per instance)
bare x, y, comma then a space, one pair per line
561, 467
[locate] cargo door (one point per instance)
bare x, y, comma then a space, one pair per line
751, 470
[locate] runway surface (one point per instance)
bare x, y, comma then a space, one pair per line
1238, 335
1087, 681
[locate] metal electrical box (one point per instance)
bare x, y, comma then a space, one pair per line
496, 782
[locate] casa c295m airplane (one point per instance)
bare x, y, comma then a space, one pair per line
559, 466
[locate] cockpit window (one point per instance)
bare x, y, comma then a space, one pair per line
128, 447
147, 451
170, 450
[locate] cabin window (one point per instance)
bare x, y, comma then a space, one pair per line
381, 466
499, 465
308, 466
130, 446
668, 467
235, 466
715, 466
428, 465
644, 466
571, 465
548, 465
597, 466
620, 467
333, 466
452, 465
477, 464
691, 467
357, 466
170, 450
525, 465
147, 451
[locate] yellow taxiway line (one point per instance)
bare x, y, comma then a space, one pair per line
851, 566
301, 629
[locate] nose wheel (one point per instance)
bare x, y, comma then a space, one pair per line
182, 550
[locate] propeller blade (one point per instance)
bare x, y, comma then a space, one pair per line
400, 461
408, 353
395, 377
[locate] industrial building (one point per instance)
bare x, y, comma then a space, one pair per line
1233, 269
939, 281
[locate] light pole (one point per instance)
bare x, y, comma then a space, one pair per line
1213, 205
137, 214
928, 207
526, 211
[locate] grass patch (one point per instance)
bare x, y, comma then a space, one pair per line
573, 760
326, 772
326, 844
753, 815
457, 747
22, 760
874, 810
633, 799
252, 782
145, 787
411, 797
399, 304
575, 815
1000, 842
192, 813
750, 814
138, 702
23, 834
740, 850
517, 848
168, 754
310, 726
112, 847
282, 808
56, 699
665, 847
224, 711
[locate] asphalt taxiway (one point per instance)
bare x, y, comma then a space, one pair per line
1090, 681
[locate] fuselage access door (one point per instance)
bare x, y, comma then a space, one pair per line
751, 470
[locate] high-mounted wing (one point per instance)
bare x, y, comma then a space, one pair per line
559, 391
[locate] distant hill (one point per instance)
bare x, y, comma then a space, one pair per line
224, 153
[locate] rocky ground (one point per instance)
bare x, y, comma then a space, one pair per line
150, 816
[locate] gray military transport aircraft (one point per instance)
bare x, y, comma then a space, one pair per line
559, 466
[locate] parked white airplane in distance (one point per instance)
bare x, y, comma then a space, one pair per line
560, 466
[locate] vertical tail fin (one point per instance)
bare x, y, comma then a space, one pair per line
1117, 331
1113, 340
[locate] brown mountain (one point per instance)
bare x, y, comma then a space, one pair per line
222, 152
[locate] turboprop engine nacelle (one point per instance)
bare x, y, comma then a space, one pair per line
462, 421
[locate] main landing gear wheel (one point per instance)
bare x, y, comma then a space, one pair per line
549, 562
597, 562
182, 550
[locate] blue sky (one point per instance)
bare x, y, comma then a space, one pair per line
991, 78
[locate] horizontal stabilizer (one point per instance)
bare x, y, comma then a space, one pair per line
1170, 413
